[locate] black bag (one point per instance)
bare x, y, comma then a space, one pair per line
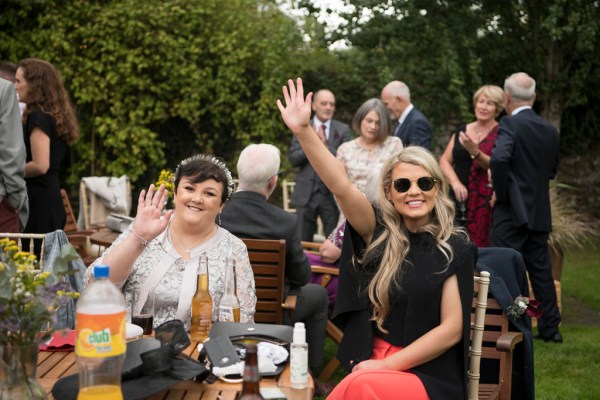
277, 334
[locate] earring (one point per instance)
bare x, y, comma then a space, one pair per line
220, 219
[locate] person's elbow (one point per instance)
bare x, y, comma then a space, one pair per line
42, 166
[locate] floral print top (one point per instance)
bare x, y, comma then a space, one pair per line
362, 163
167, 292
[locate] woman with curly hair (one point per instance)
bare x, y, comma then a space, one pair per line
49, 126
405, 301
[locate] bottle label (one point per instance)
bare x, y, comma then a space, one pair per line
100, 335
226, 314
298, 366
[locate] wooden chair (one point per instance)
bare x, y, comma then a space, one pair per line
18, 238
497, 347
93, 209
267, 258
482, 284
79, 239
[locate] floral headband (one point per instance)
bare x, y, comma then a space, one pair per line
215, 161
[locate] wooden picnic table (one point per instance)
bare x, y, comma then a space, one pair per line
54, 365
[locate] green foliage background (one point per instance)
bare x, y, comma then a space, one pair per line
156, 81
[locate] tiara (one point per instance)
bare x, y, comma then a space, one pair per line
213, 160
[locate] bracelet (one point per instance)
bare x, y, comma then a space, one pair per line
144, 241
476, 156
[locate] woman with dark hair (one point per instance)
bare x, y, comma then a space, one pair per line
405, 301
49, 126
366, 154
160, 253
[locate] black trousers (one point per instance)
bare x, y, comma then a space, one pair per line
533, 246
312, 309
320, 204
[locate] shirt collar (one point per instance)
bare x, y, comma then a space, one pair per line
405, 112
519, 109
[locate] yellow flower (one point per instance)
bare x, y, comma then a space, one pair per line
166, 178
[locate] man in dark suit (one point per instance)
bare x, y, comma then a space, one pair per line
311, 197
249, 215
524, 159
411, 126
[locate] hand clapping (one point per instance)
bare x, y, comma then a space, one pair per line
149, 221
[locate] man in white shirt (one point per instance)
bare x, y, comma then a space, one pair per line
411, 126
311, 197
524, 159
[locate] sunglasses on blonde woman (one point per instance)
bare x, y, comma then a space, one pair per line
425, 183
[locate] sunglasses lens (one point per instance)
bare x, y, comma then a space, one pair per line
402, 185
426, 183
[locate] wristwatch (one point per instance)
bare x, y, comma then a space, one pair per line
473, 157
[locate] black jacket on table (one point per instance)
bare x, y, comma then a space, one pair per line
249, 215
415, 310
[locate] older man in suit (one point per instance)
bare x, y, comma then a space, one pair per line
13, 192
411, 126
524, 159
249, 215
311, 197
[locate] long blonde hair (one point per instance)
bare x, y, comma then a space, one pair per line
395, 234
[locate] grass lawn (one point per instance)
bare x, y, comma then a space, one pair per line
568, 370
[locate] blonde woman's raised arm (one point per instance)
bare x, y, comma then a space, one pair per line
296, 115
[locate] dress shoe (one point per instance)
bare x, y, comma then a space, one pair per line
322, 389
554, 338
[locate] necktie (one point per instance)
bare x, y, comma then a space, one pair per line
323, 130
396, 128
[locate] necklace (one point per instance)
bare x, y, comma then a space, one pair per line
188, 250
483, 132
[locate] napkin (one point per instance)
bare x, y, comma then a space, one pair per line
269, 355
60, 341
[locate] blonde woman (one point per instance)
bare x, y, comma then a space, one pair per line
405, 303
466, 160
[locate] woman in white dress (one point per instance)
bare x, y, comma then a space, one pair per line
160, 253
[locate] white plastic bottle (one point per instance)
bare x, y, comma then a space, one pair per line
100, 345
299, 358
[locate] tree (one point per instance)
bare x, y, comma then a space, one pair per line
445, 50
211, 68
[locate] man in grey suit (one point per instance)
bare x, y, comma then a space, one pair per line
249, 215
411, 126
311, 197
524, 159
13, 192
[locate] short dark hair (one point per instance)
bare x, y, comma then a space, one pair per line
202, 167
8, 70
